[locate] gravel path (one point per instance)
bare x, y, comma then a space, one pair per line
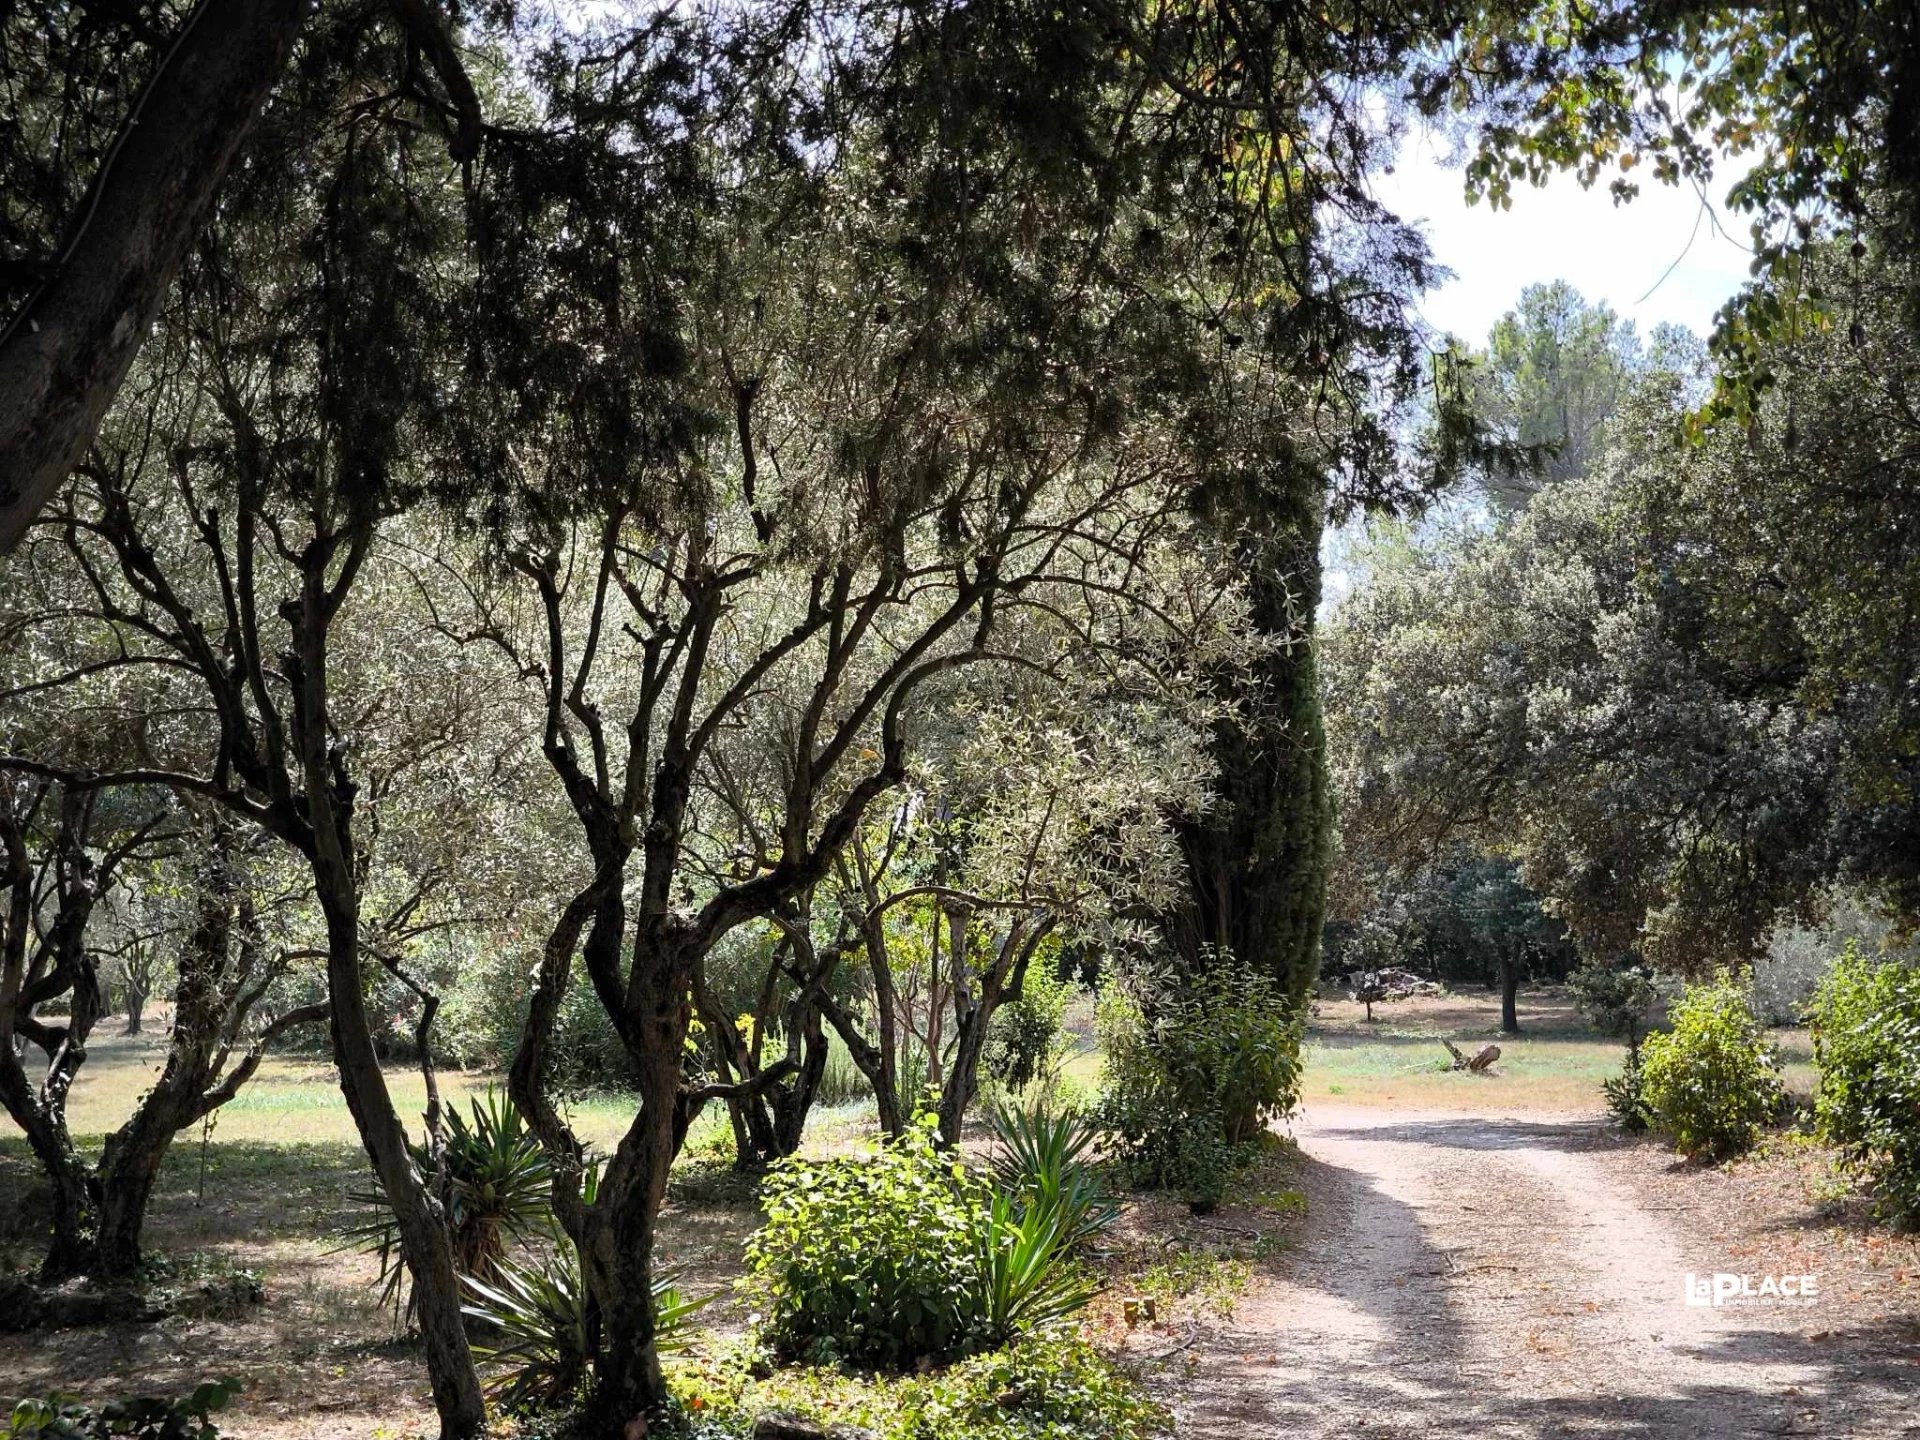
1477, 1276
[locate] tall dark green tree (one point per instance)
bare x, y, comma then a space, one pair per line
1257, 862
1554, 371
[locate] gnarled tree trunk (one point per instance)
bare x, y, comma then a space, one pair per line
417, 1214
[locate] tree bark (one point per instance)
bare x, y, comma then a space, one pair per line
41, 1111
63, 356
1509, 995
417, 1215
128, 1170
1004, 981
617, 1236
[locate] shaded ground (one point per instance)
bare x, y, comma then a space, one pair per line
1523, 1277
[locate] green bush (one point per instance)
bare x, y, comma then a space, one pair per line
908, 1257
1023, 1038
870, 1261
1616, 999
1867, 1044
1023, 1278
1197, 1066
1626, 1096
1712, 1080
144, 1417
484, 1013
842, 1082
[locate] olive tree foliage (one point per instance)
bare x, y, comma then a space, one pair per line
63, 847
1035, 815
1800, 955
1677, 691
1051, 826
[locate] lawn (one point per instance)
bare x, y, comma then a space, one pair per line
1554, 1066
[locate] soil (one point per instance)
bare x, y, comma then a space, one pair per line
1524, 1277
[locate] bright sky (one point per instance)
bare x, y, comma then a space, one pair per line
1615, 253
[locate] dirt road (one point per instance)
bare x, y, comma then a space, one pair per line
1481, 1277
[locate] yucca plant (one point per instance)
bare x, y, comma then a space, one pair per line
497, 1187
1027, 1274
1039, 1162
501, 1182
535, 1323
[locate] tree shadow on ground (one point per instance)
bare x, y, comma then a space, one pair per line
1476, 1132
1266, 1372
1856, 1384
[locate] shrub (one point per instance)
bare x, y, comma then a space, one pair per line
1616, 999
60, 1418
1786, 979
1712, 1080
907, 1257
1197, 1066
841, 1082
1023, 1037
1867, 1044
1626, 1097
1045, 1387
870, 1261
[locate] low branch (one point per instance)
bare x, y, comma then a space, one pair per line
744, 1089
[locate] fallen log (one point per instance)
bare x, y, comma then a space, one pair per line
1479, 1062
